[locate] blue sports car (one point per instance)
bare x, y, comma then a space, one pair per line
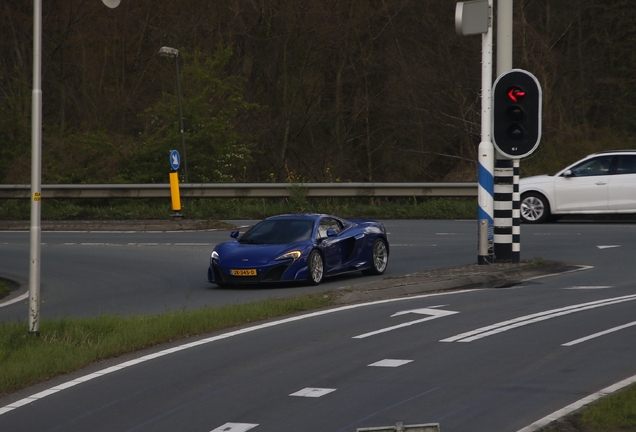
300, 247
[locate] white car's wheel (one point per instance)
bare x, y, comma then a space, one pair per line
534, 208
316, 267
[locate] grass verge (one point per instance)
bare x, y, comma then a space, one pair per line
69, 344
613, 413
245, 208
4, 289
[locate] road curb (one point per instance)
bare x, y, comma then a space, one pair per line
452, 278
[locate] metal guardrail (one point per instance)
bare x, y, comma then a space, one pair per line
244, 190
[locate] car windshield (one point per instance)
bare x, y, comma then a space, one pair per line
278, 231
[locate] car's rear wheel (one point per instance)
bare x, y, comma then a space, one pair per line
316, 267
534, 208
379, 258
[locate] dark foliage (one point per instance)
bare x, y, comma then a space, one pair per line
328, 90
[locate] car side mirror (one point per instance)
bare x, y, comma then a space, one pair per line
234, 234
331, 233
568, 173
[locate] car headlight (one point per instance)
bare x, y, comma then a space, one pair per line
294, 255
214, 256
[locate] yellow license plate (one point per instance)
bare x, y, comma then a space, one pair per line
247, 272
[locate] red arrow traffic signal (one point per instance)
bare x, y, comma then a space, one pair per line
516, 94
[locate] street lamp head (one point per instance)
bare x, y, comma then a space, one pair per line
168, 52
111, 3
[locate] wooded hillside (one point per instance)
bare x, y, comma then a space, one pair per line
289, 90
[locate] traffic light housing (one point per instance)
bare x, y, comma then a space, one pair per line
516, 113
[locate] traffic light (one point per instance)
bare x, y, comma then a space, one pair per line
516, 113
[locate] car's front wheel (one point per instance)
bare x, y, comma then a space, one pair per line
534, 208
379, 258
316, 267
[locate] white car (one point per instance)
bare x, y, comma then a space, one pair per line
602, 182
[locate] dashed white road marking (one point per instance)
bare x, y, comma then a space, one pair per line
588, 287
390, 363
7, 408
603, 333
235, 427
135, 244
608, 246
313, 392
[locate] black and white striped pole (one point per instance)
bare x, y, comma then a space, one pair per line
507, 217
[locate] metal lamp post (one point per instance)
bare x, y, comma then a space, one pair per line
173, 52
35, 231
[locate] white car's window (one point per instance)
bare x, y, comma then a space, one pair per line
626, 164
593, 167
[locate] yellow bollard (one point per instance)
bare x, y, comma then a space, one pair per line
174, 191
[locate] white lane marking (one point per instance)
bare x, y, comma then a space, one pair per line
578, 404
15, 300
534, 318
204, 341
313, 392
235, 427
136, 244
574, 270
603, 333
390, 363
588, 287
434, 314
608, 246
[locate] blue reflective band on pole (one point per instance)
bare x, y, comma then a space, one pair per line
485, 195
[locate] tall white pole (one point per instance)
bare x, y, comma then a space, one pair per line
486, 157
36, 173
36, 169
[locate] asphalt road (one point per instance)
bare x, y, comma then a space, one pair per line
88, 273
482, 360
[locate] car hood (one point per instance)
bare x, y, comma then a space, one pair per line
256, 254
540, 179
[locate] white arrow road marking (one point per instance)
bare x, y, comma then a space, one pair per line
234, 427
534, 318
603, 333
139, 360
434, 313
608, 246
313, 392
